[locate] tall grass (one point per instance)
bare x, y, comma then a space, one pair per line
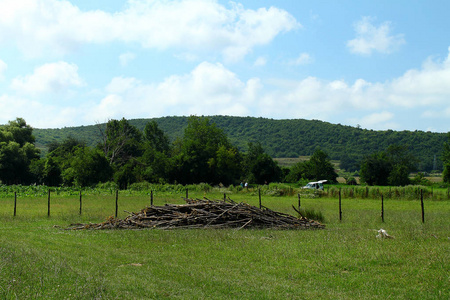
406, 193
41, 260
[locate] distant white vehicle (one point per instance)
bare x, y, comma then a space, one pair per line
318, 185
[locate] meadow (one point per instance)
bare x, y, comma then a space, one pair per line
40, 259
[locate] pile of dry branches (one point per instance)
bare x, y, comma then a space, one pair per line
205, 214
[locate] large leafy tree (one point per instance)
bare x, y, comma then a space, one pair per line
155, 138
390, 167
58, 161
88, 167
446, 160
155, 164
318, 167
121, 145
73, 163
259, 167
121, 141
375, 169
205, 154
17, 152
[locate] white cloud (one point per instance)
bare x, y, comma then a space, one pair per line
13, 107
260, 61
3, 67
119, 85
212, 89
49, 78
43, 26
126, 58
207, 89
378, 120
302, 59
370, 38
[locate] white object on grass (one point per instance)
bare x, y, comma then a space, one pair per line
382, 234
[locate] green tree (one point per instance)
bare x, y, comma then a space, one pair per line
121, 142
318, 167
155, 138
57, 168
259, 167
200, 152
155, 164
446, 160
51, 172
17, 152
122, 146
390, 167
375, 169
87, 167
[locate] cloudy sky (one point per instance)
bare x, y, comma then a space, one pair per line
376, 64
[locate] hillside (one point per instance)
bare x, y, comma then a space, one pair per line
285, 138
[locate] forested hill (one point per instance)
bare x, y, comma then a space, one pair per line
285, 138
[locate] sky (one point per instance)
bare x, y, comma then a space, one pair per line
378, 64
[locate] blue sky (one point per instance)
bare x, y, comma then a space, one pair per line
375, 64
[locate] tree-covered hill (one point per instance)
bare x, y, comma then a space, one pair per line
284, 138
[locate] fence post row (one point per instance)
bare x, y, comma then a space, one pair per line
224, 197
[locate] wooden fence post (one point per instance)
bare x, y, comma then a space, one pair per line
151, 197
81, 202
15, 203
260, 205
421, 204
117, 201
48, 204
382, 208
298, 195
187, 193
340, 207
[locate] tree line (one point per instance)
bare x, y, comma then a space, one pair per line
126, 154
287, 138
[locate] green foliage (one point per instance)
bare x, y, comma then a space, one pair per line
318, 167
390, 167
155, 138
17, 152
419, 179
206, 155
286, 138
214, 150
259, 167
446, 160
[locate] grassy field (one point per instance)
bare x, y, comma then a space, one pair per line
42, 260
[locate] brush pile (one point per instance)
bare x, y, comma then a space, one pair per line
197, 213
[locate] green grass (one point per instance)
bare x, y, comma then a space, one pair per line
41, 260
